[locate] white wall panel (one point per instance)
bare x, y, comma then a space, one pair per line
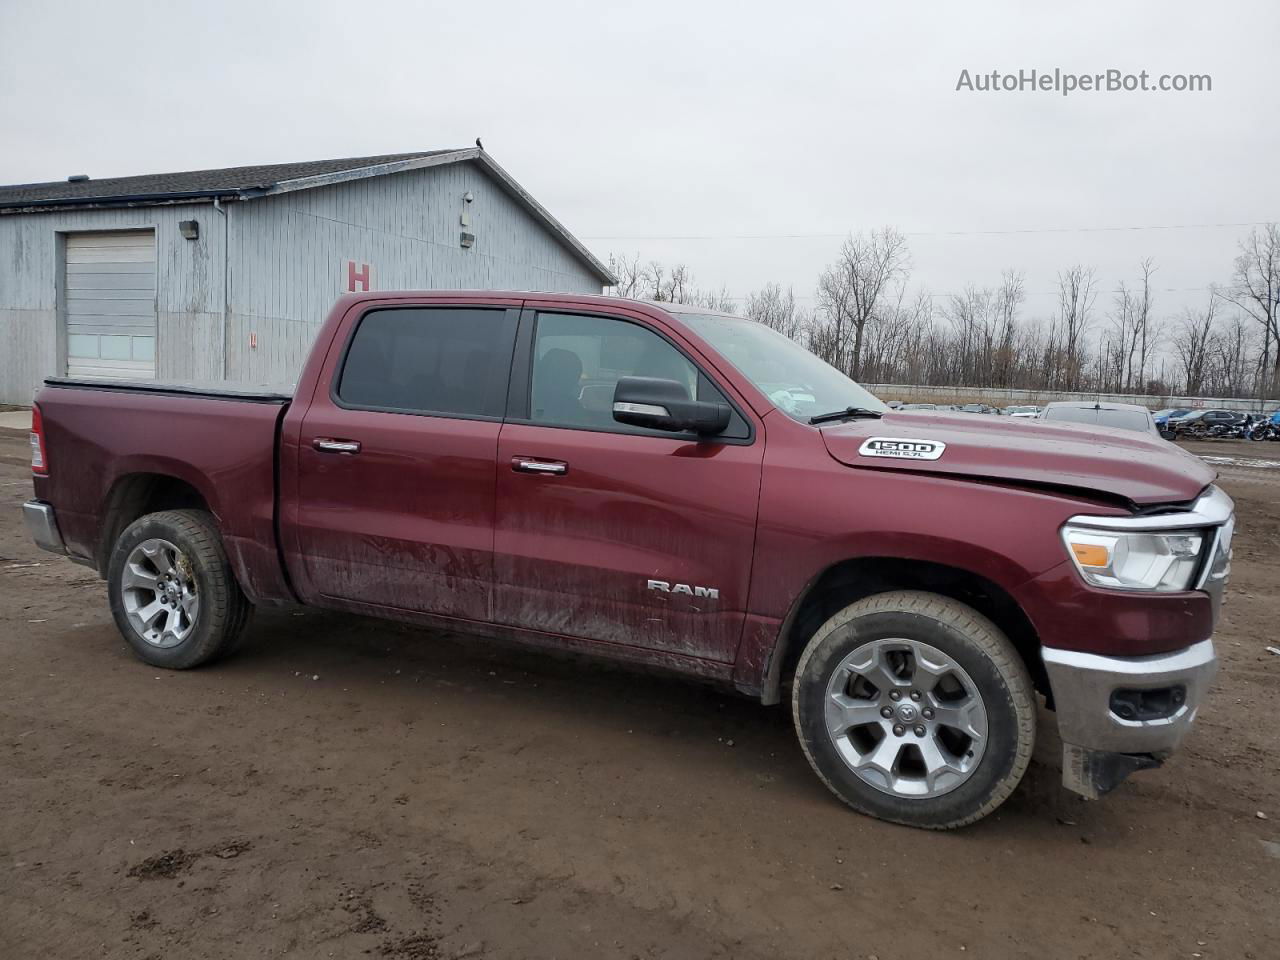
188, 295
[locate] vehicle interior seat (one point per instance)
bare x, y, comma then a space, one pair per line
556, 387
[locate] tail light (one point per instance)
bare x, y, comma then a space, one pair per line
39, 462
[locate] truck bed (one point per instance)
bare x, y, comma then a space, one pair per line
110, 443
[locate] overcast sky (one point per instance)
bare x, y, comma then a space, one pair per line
638, 124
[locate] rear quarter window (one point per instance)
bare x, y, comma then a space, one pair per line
452, 361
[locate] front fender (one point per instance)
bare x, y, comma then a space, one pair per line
812, 520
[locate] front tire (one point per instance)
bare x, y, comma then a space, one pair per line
914, 708
172, 592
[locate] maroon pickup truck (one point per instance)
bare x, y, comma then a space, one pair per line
666, 485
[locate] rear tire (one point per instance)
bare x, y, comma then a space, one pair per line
172, 592
914, 708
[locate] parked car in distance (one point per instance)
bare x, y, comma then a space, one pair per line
919, 406
1204, 423
1120, 416
668, 486
976, 408
1023, 412
1162, 417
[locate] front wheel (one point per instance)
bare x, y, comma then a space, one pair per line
916, 709
173, 594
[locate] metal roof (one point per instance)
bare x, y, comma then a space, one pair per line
247, 183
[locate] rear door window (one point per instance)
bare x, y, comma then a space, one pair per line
449, 361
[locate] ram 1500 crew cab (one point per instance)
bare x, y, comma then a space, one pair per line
662, 484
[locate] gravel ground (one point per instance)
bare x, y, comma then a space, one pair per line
346, 787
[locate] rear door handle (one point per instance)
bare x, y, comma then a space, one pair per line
550, 468
325, 445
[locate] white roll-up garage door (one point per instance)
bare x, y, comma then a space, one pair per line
111, 304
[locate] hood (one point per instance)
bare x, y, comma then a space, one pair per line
1139, 467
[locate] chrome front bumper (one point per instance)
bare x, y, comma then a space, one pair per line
1135, 706
43, 526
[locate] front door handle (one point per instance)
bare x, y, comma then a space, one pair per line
325, 445
550, 468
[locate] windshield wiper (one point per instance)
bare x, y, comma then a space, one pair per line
848, 413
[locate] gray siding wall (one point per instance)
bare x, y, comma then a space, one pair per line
288, 259
289, 255
188, 292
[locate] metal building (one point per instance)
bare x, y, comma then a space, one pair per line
227, 274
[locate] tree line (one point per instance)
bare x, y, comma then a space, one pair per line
869, 321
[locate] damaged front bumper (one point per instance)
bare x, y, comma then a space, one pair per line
1121, 714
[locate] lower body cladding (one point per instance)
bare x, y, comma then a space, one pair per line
1121, 714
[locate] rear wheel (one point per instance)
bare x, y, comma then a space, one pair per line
914, 708
172, 592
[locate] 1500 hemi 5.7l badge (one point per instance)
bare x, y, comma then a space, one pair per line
902, 449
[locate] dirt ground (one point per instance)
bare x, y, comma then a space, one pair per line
348, 788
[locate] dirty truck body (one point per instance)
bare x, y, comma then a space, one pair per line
644, 482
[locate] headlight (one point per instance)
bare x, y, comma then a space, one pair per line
1141, 560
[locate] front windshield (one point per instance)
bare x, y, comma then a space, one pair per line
796, 381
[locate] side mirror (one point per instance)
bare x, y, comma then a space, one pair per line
665, 405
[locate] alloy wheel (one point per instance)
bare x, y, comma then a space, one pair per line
159, 591
906, 718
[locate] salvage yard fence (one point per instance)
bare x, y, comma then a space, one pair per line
999, 397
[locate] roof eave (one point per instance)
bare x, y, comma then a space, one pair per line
134, 200
525, 199
362, 173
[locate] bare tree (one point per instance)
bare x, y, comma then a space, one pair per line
1256, 291
1008, 301
711, 299
776, 309
1076, 295
1191, 344
632, 281
1134, 333
1144, 331
870, 323
1229, 358
1115, 355
656, 281
852, 289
